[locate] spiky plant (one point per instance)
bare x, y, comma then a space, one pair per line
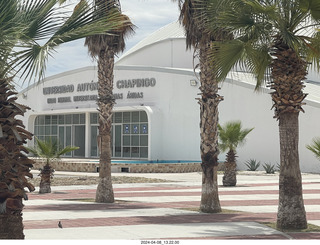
315, 147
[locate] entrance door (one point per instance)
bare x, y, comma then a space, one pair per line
74, 136
116, 140
79, 140
65, 137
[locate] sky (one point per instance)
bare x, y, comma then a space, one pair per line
147, 15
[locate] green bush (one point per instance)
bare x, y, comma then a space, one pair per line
252, 165
269, 168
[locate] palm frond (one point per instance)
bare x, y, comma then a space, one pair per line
49, 149
231, 135
46, 25
65, 150
315, 147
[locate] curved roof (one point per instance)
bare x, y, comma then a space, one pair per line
171, 31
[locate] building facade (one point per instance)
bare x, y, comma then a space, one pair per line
156, 115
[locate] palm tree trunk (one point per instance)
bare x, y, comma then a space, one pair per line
45, 182
11, 226
209, 116
291, 211
288, 73
104, 193
14, 164
230, 174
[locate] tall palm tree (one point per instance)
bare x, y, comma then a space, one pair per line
231, 136
29, 32
104, 47
276, 40
201, 40
48, 150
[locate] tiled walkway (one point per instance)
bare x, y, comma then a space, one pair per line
166, 211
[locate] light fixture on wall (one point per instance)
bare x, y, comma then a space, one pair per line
193, 83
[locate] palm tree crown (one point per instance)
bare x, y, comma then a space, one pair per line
49, 149
31, 30
232, 135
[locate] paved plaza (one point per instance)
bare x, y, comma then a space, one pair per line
157, 211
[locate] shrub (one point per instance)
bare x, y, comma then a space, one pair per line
252, 165
269, 168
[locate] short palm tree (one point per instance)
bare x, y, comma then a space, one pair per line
29, 33
49, 150
104, 47
201, 40
276, 40
315, 147
231, 136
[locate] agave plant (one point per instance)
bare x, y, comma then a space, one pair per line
48, 150
252, 165
269, 168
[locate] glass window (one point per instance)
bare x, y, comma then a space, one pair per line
143, 152
144, 128
76, 119
135, 152
126, 140
61, 119
82, 119
135, 116
54, 130
126, 152
41, 120
126, 128
68, 119
54, 119
94, 143
47, 120
129, 134
143, 116
144, 140
126, 117
61, 137
135, 128
118, 117
41, 130
135, 140
94, 118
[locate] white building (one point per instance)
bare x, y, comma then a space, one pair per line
156, 116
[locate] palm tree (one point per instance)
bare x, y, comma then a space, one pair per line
315, 147
275, 40
49, 150
231, 136
104, 47
201, 40
29, 33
